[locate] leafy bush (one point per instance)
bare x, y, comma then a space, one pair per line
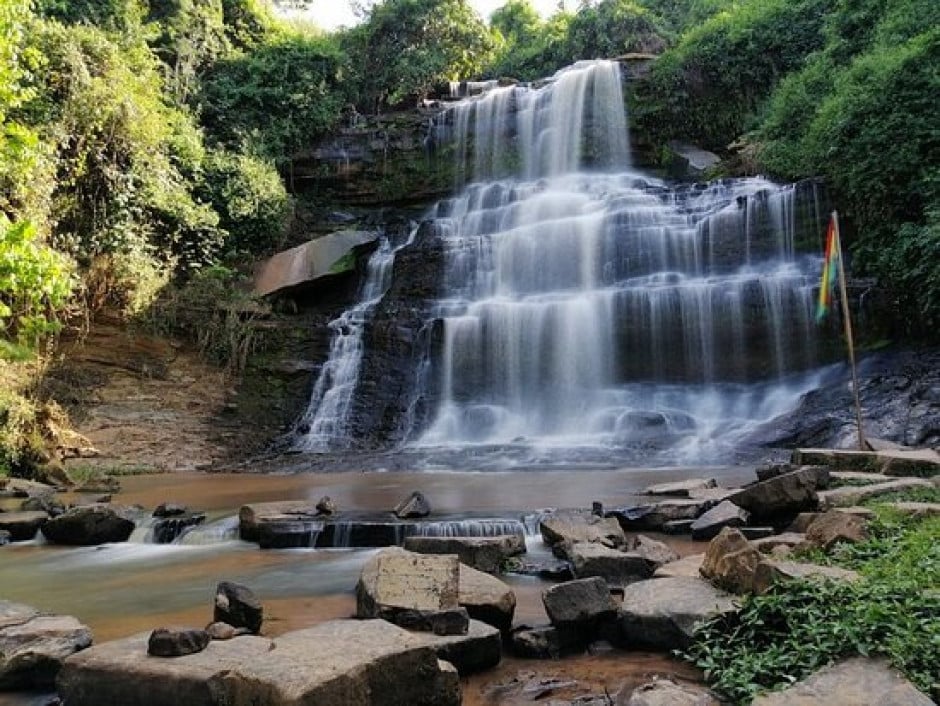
276, 100
800, 626
35, 284
251, 201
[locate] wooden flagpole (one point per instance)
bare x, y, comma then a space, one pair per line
847, 321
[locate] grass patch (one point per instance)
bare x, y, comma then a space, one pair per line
801, 626
83, 473
913, 495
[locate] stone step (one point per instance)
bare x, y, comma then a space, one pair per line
852, 495
892, 462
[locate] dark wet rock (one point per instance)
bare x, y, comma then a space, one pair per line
674, 527
655, 516
730, 561
454, 621
663, 613
238, 606
896, 407
167, 529
176, 642
580, 605
860, 681
486, 598
479, 648
43, 503
768, 572
34, 645
682, 488
326, 506
549, 569
789, 493
578, 526
170, 510
89, 525
22, 526
5, 537
543, 642
665, 692
354, 662
725, 514
483, 553
412, 507
395, 580
753, 533
836, 527
772, 470
613, 565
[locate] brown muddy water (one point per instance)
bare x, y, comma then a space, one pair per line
122, 589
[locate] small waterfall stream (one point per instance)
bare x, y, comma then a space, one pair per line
587, 304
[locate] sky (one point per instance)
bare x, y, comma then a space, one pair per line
331, 14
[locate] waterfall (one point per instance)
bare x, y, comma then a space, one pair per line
586, 304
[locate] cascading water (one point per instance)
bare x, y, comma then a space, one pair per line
585, 304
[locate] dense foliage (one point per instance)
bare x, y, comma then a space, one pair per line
798, 627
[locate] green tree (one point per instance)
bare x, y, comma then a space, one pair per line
407, 47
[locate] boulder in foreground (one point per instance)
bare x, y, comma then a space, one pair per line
853, 682
349, 662
33, 646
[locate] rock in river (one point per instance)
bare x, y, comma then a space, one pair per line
88, 525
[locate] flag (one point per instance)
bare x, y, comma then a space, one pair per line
830, 271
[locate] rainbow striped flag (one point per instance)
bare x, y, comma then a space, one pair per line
830, 270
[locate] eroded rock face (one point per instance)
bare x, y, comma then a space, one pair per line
663, 613
852, 682
352, 662
89, 525
835, 527
33, 646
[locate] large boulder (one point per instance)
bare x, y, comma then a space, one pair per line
834, 527
730, 561
237, 606
665, 692
349, 662
860, 681
22, 526
725, 514
579, 605
486, 598
788, 493
89, 525
574, 526
483, 553
614, 566
33, 645
663, 613
478, 649
399, 586
413, 507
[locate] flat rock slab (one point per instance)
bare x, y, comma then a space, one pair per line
682, 488
686, 567
853, 682
482, 553
768, 573
33, 645
858, 477
575, 526
614, 566
350, 662
301, 266
725, 514
892, 462
916, 509
397, 579
654, 516
787, 493
852, 495
663, 613
252, 517
664, 692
